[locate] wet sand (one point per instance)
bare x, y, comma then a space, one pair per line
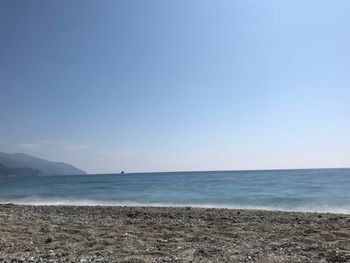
147, 234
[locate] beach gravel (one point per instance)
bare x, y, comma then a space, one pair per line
151, 234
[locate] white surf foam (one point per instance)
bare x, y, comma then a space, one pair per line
86, 202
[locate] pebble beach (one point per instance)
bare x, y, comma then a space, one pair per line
160, 234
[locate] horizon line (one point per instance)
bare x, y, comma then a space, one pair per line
236, 170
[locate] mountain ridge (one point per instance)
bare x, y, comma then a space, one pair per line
22, 161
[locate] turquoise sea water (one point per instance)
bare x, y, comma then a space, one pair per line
315, 190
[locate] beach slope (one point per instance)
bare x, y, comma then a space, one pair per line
147, 234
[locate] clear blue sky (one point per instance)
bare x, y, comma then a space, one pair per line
176, 85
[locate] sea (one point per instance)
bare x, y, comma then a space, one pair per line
309, 190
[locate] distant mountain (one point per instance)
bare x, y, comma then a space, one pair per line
23, 164
4, 170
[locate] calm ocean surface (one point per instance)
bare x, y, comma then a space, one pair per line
319, 190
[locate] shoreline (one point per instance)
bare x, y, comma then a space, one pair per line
94, 203
169, 234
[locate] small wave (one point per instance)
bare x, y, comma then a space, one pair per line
87, 202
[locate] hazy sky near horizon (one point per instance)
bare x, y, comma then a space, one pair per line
176, 85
